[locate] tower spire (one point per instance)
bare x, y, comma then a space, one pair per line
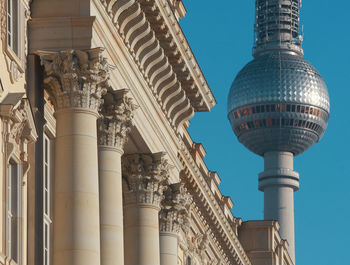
277, 26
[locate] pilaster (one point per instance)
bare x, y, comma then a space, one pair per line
146, 177
114, 126
174, 213
173, 216
115, 120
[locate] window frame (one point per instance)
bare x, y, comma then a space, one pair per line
13, 218
48, 152
15, 54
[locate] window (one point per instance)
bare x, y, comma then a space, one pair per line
12, 210
12, 25
46, 199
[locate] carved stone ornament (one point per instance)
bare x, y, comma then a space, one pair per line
146, 176
15, 73
75, 78
19, 127
197, 245
115, 122
175, 209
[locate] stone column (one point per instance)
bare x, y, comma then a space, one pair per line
173, 216
75, 80
113, 129
146, 176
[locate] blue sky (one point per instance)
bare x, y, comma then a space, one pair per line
221, 36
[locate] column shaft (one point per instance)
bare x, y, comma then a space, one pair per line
111, 209
141, 235
76, 205
168, 248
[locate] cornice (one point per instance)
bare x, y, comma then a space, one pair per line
168, 31
137, 26
196, 86
211, 210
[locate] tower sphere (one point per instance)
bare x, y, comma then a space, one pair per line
278, 102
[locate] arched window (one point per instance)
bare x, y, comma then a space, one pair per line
188, 261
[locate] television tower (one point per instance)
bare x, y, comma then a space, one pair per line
278, 107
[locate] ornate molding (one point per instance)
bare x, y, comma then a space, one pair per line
175, 209
211, 211
3, 20
75, 78
116, 117
146, 177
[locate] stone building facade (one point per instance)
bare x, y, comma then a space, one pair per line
97, 165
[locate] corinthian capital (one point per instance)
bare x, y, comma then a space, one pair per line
174, 213
116, 118
75, 78
146, 176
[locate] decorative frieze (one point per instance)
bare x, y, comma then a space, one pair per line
75, 78
175, 209
146, 177
115, 122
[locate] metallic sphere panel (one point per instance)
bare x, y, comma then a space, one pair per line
278, 102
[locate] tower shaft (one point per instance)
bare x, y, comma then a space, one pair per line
278, 182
